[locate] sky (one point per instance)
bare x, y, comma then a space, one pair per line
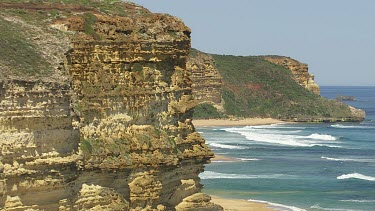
336, 38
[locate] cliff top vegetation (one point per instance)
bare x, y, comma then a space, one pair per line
255, 87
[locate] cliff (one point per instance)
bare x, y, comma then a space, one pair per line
299, 70
96, 107
266, 86
207, 81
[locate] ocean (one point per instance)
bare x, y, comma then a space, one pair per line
299, 166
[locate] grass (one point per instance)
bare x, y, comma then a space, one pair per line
255, 87
114, 7
18, 54
90, 21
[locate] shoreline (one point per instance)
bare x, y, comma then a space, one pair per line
230, 204
240, 122
243, 205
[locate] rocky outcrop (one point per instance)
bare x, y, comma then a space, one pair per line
117, 134
207, 81
299, 70
38, 143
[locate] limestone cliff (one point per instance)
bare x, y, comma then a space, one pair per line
100, 118
299, 70
207, 81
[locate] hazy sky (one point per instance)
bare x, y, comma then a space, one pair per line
336, 38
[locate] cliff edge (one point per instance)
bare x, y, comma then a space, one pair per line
96, 107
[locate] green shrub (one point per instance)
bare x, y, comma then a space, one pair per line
206, 111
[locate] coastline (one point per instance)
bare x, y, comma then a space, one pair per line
240, 122
241, 204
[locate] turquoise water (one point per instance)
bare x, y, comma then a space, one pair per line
309, 166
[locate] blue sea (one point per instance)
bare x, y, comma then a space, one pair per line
302, 166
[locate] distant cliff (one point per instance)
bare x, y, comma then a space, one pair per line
264, 86
96, 109
207, 81
299, 70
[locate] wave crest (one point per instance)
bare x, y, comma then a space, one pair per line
359, 201
323, 137
349, 159
278, 206
226, 146
216, 175
356, 176
271, 135
248, 159
330, 209
350, 126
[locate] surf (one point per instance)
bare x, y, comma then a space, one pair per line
216, 175
356, 176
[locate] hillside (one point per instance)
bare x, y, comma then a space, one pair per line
255, 87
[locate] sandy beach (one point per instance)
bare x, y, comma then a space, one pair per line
240, 205
240, 122
222, 158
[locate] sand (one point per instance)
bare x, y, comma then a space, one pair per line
240, 122
223, 158
240, 205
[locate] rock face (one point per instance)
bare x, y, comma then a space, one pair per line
38, 143
207, 81
299, 70
117, 134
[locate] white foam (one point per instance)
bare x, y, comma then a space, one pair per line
356, 176
330, 209
278, 206
248, 159
270, 137
226, 146
359, 201
217, 175
324, 137
276, 126
349, 126
349, 159
222, 161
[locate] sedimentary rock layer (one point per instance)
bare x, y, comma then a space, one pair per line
117, 135
207, 81
299, 70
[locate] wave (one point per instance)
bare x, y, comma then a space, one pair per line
322, 137
274, 126
359, 201
350, 126
349, 159
270, 137
248, 159
278, 206
330, 209
216, 175
356, 176
226, 146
